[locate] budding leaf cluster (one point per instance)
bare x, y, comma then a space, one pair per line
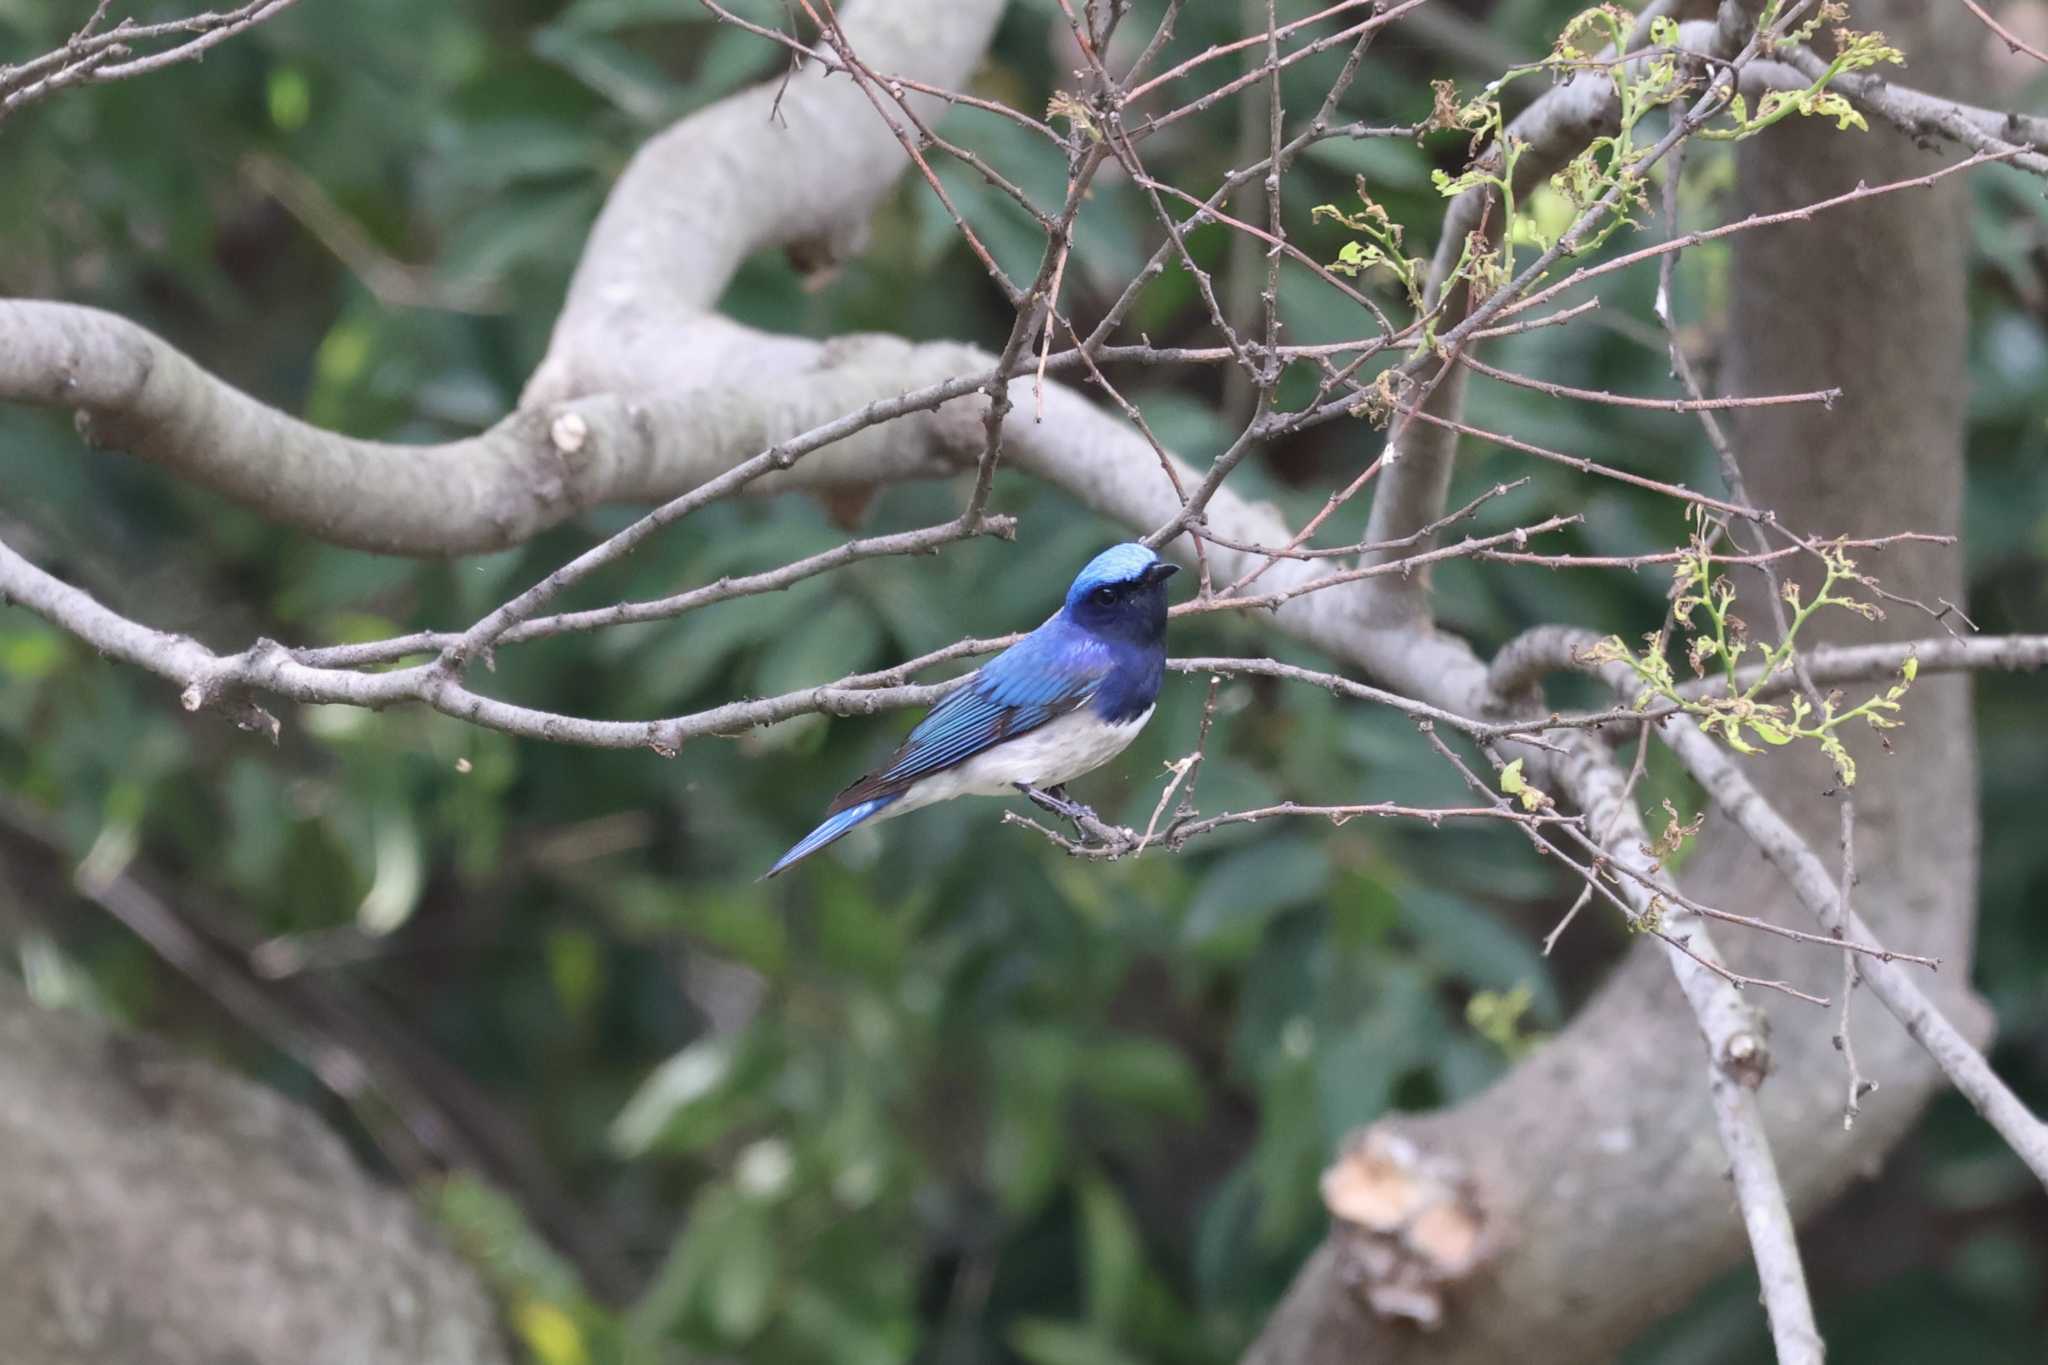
1720, 643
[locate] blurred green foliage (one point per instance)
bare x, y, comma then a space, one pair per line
946, 1096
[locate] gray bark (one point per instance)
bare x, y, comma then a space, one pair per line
1595, 1164
154, 1208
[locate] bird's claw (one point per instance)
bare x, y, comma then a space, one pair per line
1055, 800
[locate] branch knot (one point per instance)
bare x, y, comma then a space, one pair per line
1408, 1224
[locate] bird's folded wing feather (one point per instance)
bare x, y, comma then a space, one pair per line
1038, 678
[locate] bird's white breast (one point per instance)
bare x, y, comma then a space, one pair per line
1058, 751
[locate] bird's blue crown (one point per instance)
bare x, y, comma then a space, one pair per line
1118, 564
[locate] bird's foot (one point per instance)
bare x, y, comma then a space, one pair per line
1055, 799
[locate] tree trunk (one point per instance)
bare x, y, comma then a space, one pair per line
154, 1208
1592, 1171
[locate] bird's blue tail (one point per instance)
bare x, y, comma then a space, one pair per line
824, 834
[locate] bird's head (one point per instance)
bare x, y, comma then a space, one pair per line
1121, 593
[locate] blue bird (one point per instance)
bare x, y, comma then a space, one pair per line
1062, 701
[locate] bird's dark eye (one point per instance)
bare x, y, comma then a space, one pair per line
1104, 595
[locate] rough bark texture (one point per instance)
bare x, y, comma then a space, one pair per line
1596, 1162
1875, 300
153, 1208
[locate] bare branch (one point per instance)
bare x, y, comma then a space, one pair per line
1869, 663
2013, 42
1552, 129
394, 283
2017, 138
93, 57
1738, 1051
1739, 799
1752, 222
1962, 1063
1824, 397
209, 679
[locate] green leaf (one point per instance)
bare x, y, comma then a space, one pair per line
530, 227
685, 1079
1292, 1148
1497, 1017
734, 922
721, 1271
1247, 888
1027, 1139
1769, 731
1834, 106
31, 654
1225, 1249
395, 889
550, 1333
837, 1335
1475, 947
1042, 1341
1112, 1253
1838, 754
1358, 1064
844, 639
859, 934
576, 968
1143, 1073
492, 1230
1450, 187
633, 81
509, 151
740, 1289
1387, 163
1511, 783
685, 656
290, 97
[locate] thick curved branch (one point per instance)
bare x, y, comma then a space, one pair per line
767, 167
1526, 660
1868, 663
535, 469
2022, 138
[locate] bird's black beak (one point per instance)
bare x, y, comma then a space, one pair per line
1160, 572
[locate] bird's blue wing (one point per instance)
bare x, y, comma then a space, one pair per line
1048, 673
